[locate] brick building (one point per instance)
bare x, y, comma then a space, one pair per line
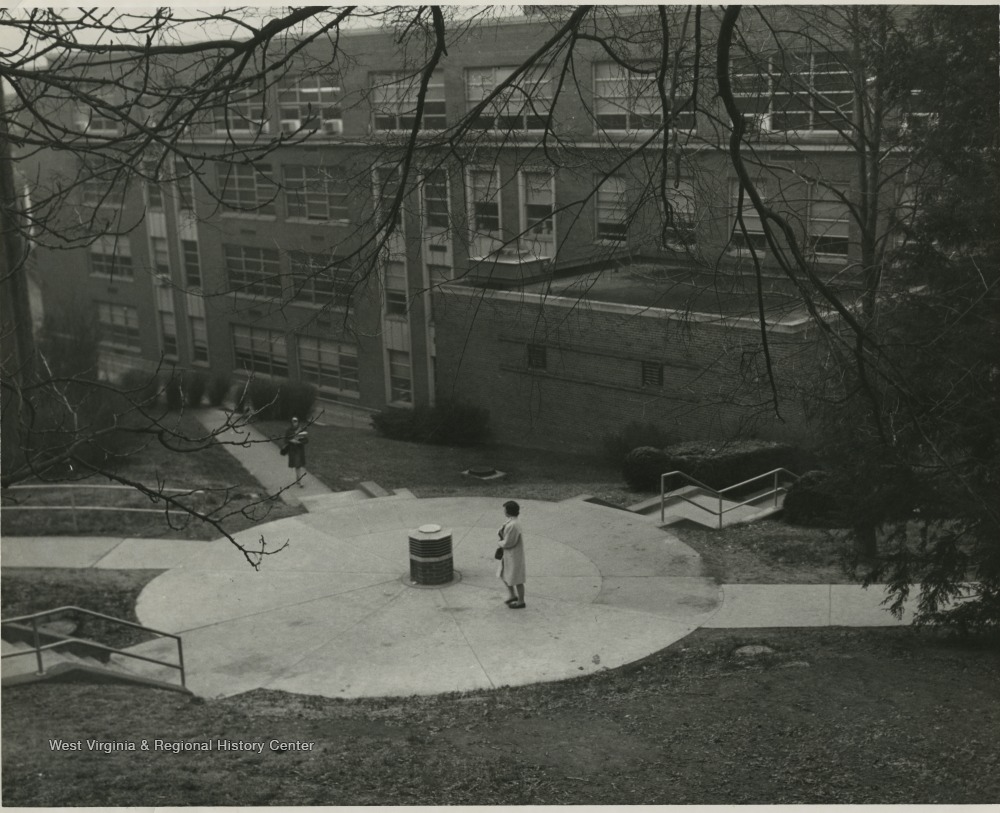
276, 246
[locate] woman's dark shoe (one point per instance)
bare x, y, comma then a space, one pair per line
517, 605
510, 601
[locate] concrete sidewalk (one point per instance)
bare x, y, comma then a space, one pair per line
260, 456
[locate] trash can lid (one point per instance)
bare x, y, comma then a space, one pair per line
429, 529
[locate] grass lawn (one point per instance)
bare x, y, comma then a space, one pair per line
228, 487
832, 716
342, 458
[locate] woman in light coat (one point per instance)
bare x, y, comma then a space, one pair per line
512, 564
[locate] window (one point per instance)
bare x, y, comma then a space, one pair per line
247, 188
320, 280
192, 263
435, 199
186, 187
537, 217
310, 103
537, 357
484, 196
396, 298
97, 122
522, 105
102, 185
331, 366
680, 196
755, 231
626, 101
386, 189
316, 193
796, 91
253, 271
652, 374
154, 196
612, 213
244, 113
199, 339
119, 326
160, 255
168, 333
394, 101
828, 223
111, 256
259, 350
400, 385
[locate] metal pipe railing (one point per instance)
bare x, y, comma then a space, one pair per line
719, 493
39, 647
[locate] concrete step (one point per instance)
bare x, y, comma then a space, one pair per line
163, 649
333, 500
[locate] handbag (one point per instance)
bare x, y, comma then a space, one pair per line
284, 450
499, 553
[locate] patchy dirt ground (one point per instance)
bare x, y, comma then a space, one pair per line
830, 716
770, 552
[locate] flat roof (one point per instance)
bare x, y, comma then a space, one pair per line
680, 289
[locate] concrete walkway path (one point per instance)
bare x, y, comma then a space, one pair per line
335, 613
260, 456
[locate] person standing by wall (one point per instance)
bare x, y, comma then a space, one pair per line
512, 565
296, 439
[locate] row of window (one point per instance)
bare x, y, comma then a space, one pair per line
650, 373
331, 366
119, 328
800, 90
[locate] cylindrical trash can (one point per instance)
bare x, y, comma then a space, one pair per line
430, 555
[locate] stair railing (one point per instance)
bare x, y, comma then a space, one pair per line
38, 647
719, 495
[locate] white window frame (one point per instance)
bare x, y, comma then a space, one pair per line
603, 207
396, 286
119, 326
315, 193
332, 366
751, 219
636, 98
320, 279
682, 202
523, 106
539, 235
246, 189
263, 351
440, 180
484, 243
778, 82
245, 113
310, 103
111, 257
252, 271
198, 328
394, 97
823, 227
396, 384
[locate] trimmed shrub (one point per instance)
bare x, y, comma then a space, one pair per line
296, 400
722, 466
263, 394
196, 383
451, 423
618, 444
141, 386
812, 500
174, 392
643, 466
218, 389
395, 423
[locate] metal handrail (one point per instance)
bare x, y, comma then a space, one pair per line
720, 513
39, 647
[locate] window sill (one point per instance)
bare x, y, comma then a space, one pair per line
309, 221
112, 278
250, 216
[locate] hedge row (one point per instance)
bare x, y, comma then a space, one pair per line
450, 423
716, 467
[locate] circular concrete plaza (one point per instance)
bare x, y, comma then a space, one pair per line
335, 614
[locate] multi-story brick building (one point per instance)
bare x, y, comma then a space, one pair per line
254, 253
